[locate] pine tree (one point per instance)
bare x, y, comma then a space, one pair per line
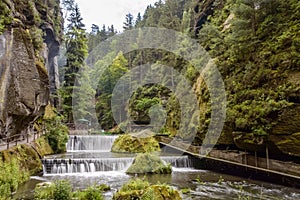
138, 21
76, 52
128, 24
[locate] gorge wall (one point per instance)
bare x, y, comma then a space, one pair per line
256, 48
29, 45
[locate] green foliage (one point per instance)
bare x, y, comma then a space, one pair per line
57, 136
83, 95
5, 18
76, 52
140, 189
110, 76
136, 184
149, 163
62, 190
145, 103
93, 193
36, 39
44, 192
255, 49
56, 131
11, 176
97, 35
59, 190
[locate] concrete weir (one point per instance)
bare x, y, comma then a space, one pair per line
238, 163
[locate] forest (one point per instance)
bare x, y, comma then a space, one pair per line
208, 75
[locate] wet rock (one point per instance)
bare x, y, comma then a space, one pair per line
149, 163
135, 143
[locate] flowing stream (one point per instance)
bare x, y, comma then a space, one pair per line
89, 161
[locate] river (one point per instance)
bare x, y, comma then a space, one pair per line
89, 161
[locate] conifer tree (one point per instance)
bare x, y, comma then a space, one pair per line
76, 52
128, 24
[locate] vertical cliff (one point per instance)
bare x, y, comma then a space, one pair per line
29, 45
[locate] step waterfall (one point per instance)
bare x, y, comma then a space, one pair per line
101, 161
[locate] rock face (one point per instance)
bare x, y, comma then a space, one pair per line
28, 49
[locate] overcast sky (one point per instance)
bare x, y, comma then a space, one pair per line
110, 12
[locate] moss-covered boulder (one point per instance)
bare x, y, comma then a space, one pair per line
149, 163
287, 144
135, 143
250, 141
42, 146
139, 189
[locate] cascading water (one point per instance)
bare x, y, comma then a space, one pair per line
88, 154
90, 143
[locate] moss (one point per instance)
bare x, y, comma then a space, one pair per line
287, 144
49, 113
250, 141
28, 155
42, 146
5, 17
43, 74
140, 189
62, 190
149, 163
135, 144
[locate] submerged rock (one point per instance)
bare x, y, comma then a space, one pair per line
149, 163
135, 143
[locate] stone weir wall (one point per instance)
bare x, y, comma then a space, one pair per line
29, 46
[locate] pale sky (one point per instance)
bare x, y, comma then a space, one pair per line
110, 12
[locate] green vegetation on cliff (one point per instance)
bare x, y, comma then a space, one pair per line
256, 46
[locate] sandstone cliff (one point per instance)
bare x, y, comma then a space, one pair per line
29, 46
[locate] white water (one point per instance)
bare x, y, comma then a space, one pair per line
90, 143
91, 154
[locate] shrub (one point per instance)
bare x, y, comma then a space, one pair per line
62, 190
57, 132
93, 193
44, 192
11, 176
140, 189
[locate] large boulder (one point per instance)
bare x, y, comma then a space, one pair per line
285, 134
135, 143
149, 163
